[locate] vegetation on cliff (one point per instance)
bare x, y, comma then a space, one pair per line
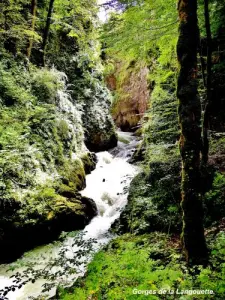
163, 62
148, 31
54, 109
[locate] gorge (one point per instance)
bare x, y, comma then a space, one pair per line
107, 185
112, 149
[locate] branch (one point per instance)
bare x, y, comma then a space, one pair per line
157, 28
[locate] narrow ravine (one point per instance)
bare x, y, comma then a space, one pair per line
108, 186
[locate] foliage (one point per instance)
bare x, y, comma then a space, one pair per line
75, 22
43, 159
68, 262
13, 88
216, 9
46, 115
217, 142
215, 199
144, 35
15, 27
45, 85
162, 126
148, 262
153, 201
127, 34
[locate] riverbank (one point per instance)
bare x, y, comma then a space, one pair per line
150, 266
64, 261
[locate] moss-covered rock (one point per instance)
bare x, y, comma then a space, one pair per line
43, 160
100, 140
100, 132
41, 219
89, 161
84, 74
154, 196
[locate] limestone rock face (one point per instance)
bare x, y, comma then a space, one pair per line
132, 96
100, 136
99, 127
94, 100
44, 159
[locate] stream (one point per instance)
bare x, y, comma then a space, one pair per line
108, 186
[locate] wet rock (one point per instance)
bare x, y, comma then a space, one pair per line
89, 160
100, 132
42, 226
101, 141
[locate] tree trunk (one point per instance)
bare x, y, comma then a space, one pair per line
203, 65
205, 148
9, 41
46, 31
193, 239
33, 13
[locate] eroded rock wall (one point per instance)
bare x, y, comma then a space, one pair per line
132, 92
44, 158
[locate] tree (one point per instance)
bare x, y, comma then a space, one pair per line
13, 30
133, 35
33, 13
205, 148
46, 31
193, 239
16, 31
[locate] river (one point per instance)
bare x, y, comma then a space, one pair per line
108, 186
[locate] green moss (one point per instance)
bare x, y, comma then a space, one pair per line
46, 203
39, 177
217, 144
65, 190
162, 124
73, 174
45, 85
11, 90
40, 205
63, 129
89, 162
154, 194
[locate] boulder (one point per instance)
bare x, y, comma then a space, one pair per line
26, 226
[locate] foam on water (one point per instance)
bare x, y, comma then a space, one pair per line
108, 186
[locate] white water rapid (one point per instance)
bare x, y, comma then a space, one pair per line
108, 186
